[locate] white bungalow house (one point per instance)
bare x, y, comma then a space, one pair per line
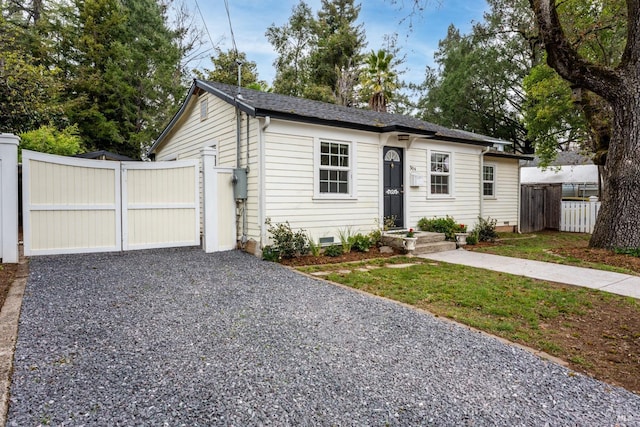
324, 167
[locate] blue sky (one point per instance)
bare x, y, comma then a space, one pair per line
250, 19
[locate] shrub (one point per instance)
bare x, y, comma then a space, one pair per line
446, 225
485, 229
270, 254
287, 243
48, 139
472, 239
361, 242
333, 250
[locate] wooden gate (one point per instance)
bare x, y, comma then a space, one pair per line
73, 205
540, 207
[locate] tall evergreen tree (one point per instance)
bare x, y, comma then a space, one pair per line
125, 73
339, 50
319, 58
293, 42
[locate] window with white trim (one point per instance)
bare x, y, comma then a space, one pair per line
334, 168
440, 173
489, 180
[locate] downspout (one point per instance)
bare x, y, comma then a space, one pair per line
245, 224
484, 151
239, 203
261, 184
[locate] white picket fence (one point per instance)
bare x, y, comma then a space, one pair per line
579, 217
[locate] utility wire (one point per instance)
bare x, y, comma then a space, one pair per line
213, 46
233, 39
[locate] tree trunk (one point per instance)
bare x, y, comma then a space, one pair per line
618, 223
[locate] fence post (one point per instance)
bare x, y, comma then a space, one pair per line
594, 204
9, 197
209, 217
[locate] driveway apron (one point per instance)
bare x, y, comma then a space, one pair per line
179, 337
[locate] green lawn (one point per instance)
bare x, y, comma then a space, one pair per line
542, 246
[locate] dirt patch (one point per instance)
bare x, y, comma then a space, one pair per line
602, 256
604, 342
7, 274
349, 257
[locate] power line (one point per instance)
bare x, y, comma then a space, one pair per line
233, 39
213, 46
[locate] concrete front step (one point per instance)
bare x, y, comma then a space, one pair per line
429, 237
433, 247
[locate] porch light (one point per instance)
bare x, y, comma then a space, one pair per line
403, 137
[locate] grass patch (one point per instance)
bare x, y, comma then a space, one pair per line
547, 246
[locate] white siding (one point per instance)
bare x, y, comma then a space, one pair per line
190, 134
289, 181
504, 206
464, 202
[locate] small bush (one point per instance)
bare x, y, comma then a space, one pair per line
446, 225
485, 229
270, 254
333, 250
286, 242
472, 239
361, 242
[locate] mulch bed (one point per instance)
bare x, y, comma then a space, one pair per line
374, 252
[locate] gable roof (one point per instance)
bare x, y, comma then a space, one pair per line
262, 104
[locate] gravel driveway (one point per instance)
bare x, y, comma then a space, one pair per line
179, 337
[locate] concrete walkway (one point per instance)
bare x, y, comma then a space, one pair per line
616, 283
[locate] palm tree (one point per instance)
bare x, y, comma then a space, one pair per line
378, 80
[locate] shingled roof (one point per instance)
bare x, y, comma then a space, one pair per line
262, 104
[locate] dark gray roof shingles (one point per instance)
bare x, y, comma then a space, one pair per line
266, 103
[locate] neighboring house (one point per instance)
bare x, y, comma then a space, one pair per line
104, 155
576, 172
325, 168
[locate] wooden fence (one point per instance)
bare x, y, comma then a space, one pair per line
540, 207
579, 217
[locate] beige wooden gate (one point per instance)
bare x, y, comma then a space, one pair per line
73, 205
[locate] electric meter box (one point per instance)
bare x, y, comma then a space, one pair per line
239, 184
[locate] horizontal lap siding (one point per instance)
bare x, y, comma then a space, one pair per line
192, 134
464, 205
289, 186
504, 208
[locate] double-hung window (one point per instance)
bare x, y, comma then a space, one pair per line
334, 169
489, 181
440, 173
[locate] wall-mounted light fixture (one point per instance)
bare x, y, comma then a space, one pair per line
403, 137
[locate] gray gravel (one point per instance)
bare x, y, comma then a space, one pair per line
178, 337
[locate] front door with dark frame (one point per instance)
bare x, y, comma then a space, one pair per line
393, 188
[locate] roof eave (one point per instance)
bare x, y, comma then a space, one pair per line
339, 123
173, 120
504, 155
